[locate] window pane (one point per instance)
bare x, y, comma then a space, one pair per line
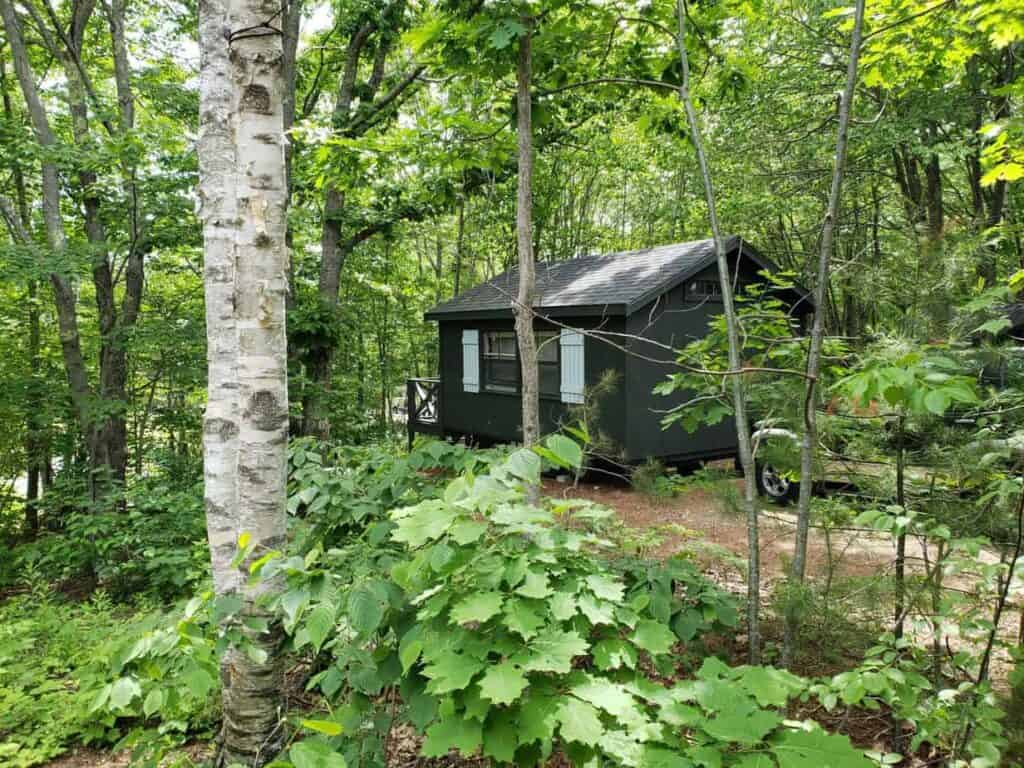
550, 379
547, 347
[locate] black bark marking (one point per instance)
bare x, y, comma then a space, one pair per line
264, 411
256, 98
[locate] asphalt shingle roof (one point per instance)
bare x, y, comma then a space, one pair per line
619, 281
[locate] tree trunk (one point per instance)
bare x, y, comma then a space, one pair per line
810, 437
523, 308
735, 361
245, 430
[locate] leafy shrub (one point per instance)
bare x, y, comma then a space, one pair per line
156, 544
652, 479
50, 655
505, 630
342, 490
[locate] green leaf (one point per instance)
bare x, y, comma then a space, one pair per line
327, 727
522, 619
477, 607
155, 699
500, 737
451, 671
564, 451
614, 653
422, 523
315, 753
366, 608
468, 531
653, 637
525, 465
553, 651
319, 624
452, 733
123, 692
605, 587
535, 585
747, 728
936, 401
580, 722
771, 687
817, 749
612, 697
503, 683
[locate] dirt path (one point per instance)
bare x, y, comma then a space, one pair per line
699, 522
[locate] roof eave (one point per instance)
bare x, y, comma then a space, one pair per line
571, 310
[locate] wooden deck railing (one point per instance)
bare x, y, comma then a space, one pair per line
423, 406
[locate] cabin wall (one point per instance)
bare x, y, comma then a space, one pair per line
497, 416
671, 320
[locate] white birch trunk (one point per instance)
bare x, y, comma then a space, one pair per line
243, 191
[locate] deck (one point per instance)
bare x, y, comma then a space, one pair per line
423, 407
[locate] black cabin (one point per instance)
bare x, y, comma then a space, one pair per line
666, 294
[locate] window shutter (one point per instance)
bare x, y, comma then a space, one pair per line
471, 360
572, 366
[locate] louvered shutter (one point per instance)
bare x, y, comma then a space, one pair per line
572, 366
471, 360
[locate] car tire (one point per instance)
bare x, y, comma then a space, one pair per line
774, 486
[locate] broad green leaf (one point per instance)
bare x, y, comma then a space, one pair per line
653, 637
503, 683
817, 749
605, 587
366, 608
123, 692
579, 721
553, 650
535, 585
422, 523
477, 607
319, 624
326, 727
451, 671
522, 619
743, 727
452, 733
771, 687
314, 753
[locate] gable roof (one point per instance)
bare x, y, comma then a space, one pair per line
608, 284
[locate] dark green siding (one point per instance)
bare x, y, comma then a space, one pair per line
496, 416
673, 321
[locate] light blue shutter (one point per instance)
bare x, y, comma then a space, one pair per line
471, 360
572, 366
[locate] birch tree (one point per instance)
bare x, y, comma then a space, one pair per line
809, 440
735, 362
243, 191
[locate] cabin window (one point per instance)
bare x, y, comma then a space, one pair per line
501, 365
500, 356
548, 363
704, 289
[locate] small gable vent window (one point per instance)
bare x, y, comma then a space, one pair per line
704, 289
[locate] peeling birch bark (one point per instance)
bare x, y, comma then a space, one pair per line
245, 432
